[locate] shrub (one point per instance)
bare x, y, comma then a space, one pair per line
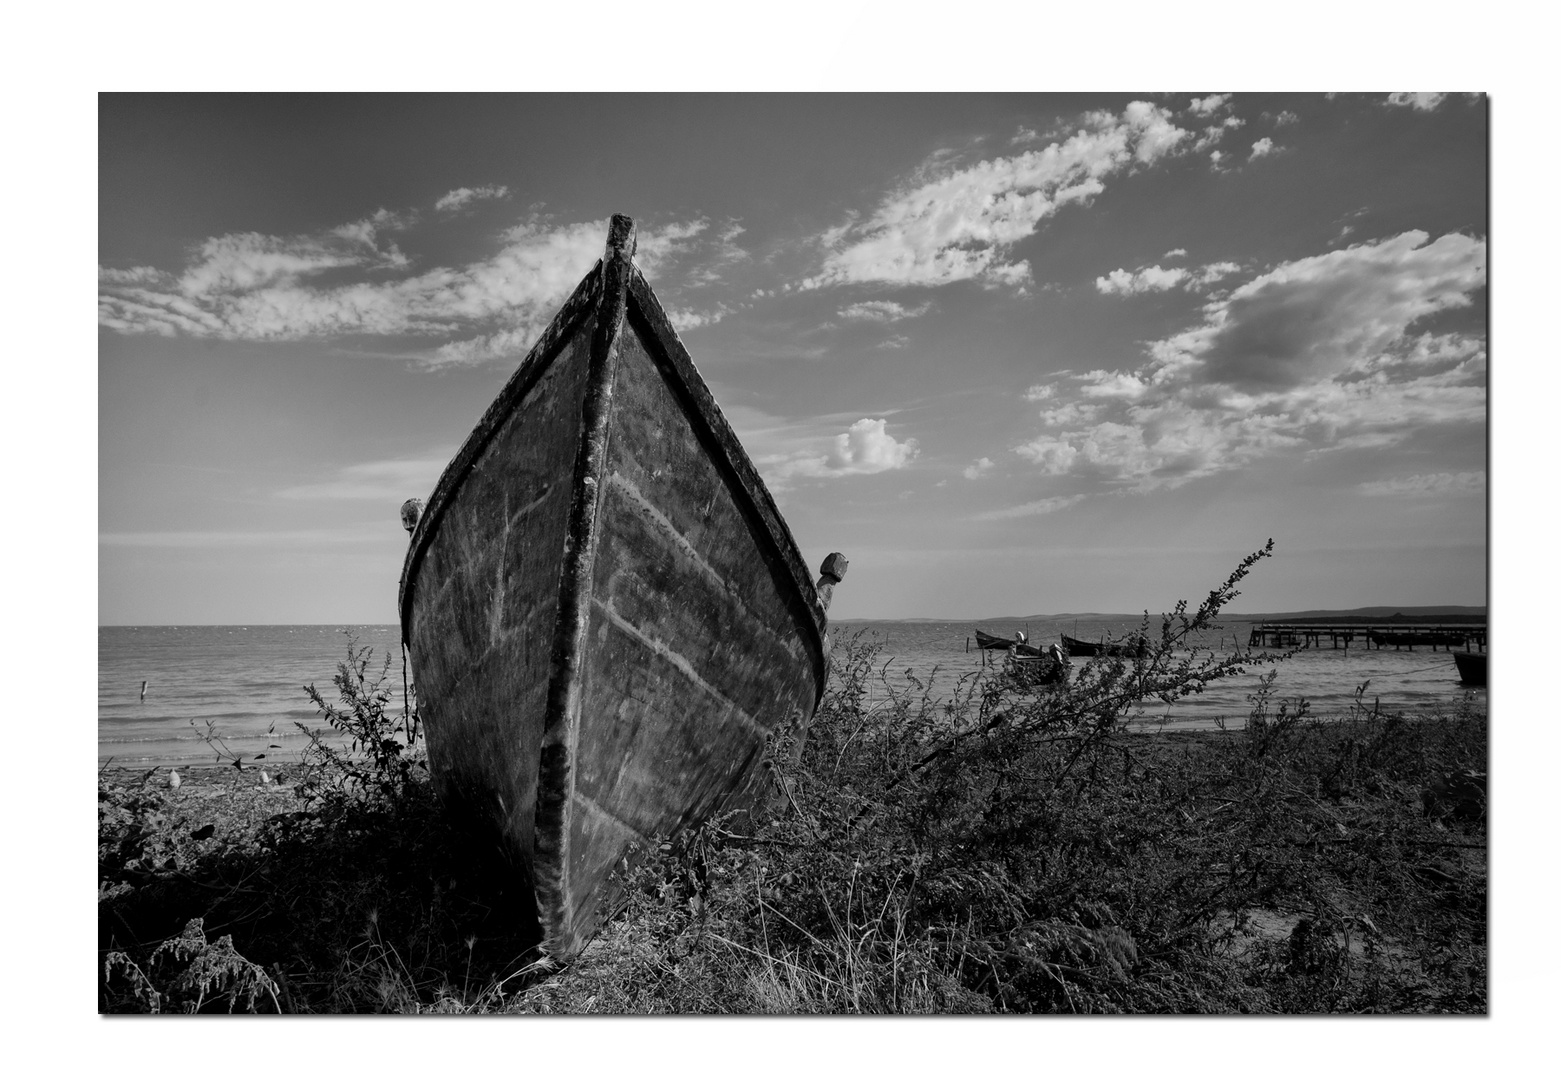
350, 891
1002, 848
383, 762
196, 974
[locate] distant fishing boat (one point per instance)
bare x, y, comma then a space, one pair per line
1133, 646
1471, 668
1017, 643
606, 613
1049, 668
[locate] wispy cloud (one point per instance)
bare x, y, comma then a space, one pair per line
391, 481
689, 319
1032, 509
1318, 354
462, 196
960, 223
1429, 485
282, 538
249, 286
135, 275
1122, 282
979, 469
883, 311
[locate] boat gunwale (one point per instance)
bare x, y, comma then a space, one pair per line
715, 432
700, 406
581, 305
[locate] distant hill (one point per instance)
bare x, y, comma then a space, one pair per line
1441, 613
1449, 613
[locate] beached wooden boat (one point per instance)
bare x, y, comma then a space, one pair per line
985, 640
606, 614
1134, 646
1471, 668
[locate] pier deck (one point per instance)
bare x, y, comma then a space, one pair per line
1371, 636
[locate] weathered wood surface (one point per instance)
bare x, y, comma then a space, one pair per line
484, 608
607, 615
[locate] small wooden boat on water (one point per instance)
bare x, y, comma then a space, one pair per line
1134, 646
606, 613
1471, 668
1017, 643
1048, 668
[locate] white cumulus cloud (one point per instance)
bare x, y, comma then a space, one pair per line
865, 447
1321, 354
1145, 279
1423, 101
1122, 282
1315, 317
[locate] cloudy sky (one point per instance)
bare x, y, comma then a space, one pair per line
1012, 354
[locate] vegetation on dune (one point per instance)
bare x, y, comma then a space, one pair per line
994, 848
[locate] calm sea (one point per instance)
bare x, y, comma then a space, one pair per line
248, 680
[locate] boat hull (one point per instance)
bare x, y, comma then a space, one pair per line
606, 614
985, 640
1471, 668
1074, 647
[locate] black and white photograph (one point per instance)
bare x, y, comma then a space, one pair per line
786, 554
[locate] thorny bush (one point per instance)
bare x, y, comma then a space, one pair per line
995, 849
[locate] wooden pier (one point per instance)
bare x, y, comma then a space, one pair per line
1449, 636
